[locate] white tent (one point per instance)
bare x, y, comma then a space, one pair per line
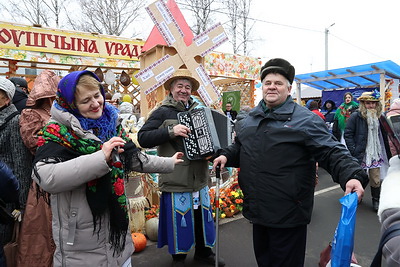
307, 92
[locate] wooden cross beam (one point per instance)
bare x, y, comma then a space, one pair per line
160, 71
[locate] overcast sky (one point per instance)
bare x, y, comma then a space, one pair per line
365, 31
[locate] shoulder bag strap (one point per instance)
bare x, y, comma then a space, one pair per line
391, 232
9, 117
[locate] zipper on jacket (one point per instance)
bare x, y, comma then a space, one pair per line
61, 241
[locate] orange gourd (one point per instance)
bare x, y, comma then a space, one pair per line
139, 241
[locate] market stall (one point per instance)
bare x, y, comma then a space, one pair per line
383, 75
25, 50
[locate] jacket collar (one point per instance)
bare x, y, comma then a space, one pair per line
69, 120
282, 113
5, 112
170, 101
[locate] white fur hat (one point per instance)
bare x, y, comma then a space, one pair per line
126, 108
8, 87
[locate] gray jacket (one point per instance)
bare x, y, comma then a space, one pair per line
14, 153
76, 244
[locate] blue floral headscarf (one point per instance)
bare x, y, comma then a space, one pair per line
105, 126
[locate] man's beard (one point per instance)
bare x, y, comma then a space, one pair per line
372, 119
371, 113
373, 149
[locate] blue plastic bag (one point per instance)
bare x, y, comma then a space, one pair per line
343, 241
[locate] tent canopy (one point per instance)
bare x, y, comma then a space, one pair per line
356, 76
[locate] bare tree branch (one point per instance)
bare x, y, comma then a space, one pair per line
55, 7
43, 12
30, 10
239, 28
111, 17
202, 13
233, 14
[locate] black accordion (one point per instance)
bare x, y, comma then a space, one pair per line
209, 131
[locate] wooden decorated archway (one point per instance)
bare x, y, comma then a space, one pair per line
25, 50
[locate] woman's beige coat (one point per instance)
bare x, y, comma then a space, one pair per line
77, 244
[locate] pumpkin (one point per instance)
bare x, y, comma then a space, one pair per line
152, 228
139, 241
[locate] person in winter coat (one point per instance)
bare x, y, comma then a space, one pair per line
314, 108
231, 114
185, 208
21, 93
328, 110
342, 114
393, 111
36, 227
367, 141
37, 112
9, 189
389, 211
12, 150
82, 156
244, 111
276, 151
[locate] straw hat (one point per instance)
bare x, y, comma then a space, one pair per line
182, 74
370, 96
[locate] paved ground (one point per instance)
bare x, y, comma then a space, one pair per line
236, 246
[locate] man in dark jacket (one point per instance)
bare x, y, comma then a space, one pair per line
21, 93
276, 150
367, 141
231, 114
185, 208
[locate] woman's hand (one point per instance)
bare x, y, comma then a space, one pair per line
108, 147
178, 157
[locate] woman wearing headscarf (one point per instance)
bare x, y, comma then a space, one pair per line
342, 114
81, 160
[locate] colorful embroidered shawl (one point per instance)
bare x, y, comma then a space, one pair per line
105, 194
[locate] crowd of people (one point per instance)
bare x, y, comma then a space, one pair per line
68, 151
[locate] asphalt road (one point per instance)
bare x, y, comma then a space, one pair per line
235, 242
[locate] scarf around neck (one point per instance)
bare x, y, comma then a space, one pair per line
105, 194
373, 149
343, 113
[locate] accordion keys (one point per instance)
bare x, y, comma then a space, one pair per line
209, 131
